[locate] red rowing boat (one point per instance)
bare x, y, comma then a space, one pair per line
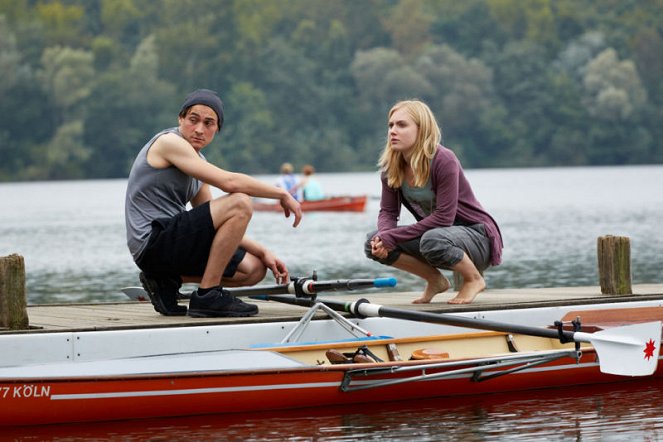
333, 204
127, 374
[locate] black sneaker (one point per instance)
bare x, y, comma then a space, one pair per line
183, 296
219, 303
163, 294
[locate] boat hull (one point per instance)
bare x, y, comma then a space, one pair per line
35, 401
333, 204
48, 378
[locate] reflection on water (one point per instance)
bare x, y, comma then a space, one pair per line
628, 411
72, 233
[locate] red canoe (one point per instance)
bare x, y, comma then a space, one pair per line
128, 374
333, 204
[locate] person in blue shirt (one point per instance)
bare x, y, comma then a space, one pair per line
289, 181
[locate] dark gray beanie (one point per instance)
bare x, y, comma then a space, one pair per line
208, 98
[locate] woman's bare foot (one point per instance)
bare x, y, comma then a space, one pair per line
432, 289
469, 291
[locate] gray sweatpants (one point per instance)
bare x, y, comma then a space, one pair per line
442, 247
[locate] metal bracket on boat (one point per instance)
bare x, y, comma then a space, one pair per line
472, 367
299, 288
297, 331
577, 326
300, 291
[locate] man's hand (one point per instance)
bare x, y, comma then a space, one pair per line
291, 205
278, 267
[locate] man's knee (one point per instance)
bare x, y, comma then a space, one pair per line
241, 202
234, 205
257, 275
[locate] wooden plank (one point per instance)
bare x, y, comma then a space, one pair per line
124, 315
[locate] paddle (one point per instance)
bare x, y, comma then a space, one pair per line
301, 287
630, 350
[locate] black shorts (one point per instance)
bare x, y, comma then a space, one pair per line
179, 246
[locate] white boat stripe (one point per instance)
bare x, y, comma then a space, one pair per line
119, 394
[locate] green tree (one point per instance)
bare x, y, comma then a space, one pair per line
17, 91
63, 157
244, 141
121, 19
409, 23
198, 51
465, 25
382, 77
124, 109
613, 88
67, 75
615, 97
63, 24
461, 97
514, 82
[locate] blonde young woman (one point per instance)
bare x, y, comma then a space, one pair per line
452, 230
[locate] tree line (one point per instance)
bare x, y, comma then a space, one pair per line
513, 83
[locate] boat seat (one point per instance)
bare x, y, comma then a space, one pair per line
429, 353
362, 356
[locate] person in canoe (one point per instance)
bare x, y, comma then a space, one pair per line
288, 181
205, 244
311, 187
452, 230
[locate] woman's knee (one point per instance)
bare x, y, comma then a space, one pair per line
439, 250
388, 260
367, 246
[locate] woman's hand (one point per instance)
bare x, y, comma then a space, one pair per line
378, 249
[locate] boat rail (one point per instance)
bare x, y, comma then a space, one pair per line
477, 367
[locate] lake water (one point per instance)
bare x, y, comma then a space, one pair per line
72, 234
72, 237
621, 412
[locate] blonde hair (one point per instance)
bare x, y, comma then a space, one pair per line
392, 162
287, 168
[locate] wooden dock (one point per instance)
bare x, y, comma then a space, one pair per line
127, 315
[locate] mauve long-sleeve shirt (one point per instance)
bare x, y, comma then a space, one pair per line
455, 204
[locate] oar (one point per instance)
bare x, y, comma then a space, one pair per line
301, 287
630, 350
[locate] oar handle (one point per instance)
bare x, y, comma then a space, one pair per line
308, 288
349, 284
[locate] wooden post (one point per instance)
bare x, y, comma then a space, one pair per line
614, 255
13, 300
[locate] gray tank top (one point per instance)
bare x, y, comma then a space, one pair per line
421, 199
152, 194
